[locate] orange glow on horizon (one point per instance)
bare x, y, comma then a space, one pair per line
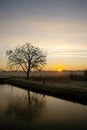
59, 69
51, 67
62, 67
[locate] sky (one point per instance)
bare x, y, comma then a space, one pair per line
57, 26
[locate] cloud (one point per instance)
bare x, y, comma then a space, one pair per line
69, 53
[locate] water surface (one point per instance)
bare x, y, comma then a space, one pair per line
22, 109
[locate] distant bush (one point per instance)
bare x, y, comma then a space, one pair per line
85, 72
73, 76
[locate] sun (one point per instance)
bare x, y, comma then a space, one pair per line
59, 69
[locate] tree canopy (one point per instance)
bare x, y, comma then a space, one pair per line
27, 57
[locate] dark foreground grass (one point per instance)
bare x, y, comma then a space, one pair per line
71, 91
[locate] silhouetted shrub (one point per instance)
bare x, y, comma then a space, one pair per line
85, 72
73, 76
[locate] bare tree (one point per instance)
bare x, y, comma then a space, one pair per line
27, 57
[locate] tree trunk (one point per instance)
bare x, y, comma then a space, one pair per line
28, 75
28, 72
28, 92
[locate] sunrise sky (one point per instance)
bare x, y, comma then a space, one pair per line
57, 26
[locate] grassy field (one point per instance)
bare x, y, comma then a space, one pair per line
41, 74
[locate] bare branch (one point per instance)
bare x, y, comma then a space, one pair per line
27, 57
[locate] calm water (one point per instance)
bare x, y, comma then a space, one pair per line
21, 109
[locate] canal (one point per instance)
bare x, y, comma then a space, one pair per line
23, 109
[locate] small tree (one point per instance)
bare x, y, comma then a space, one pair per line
85, 72
27, 57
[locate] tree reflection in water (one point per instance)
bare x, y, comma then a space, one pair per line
26, 110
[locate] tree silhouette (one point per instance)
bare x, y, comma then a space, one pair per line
27, 57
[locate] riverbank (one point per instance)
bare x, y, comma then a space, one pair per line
74, 91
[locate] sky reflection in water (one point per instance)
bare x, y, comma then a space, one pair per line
27, 110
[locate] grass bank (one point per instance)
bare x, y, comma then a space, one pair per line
71, 91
